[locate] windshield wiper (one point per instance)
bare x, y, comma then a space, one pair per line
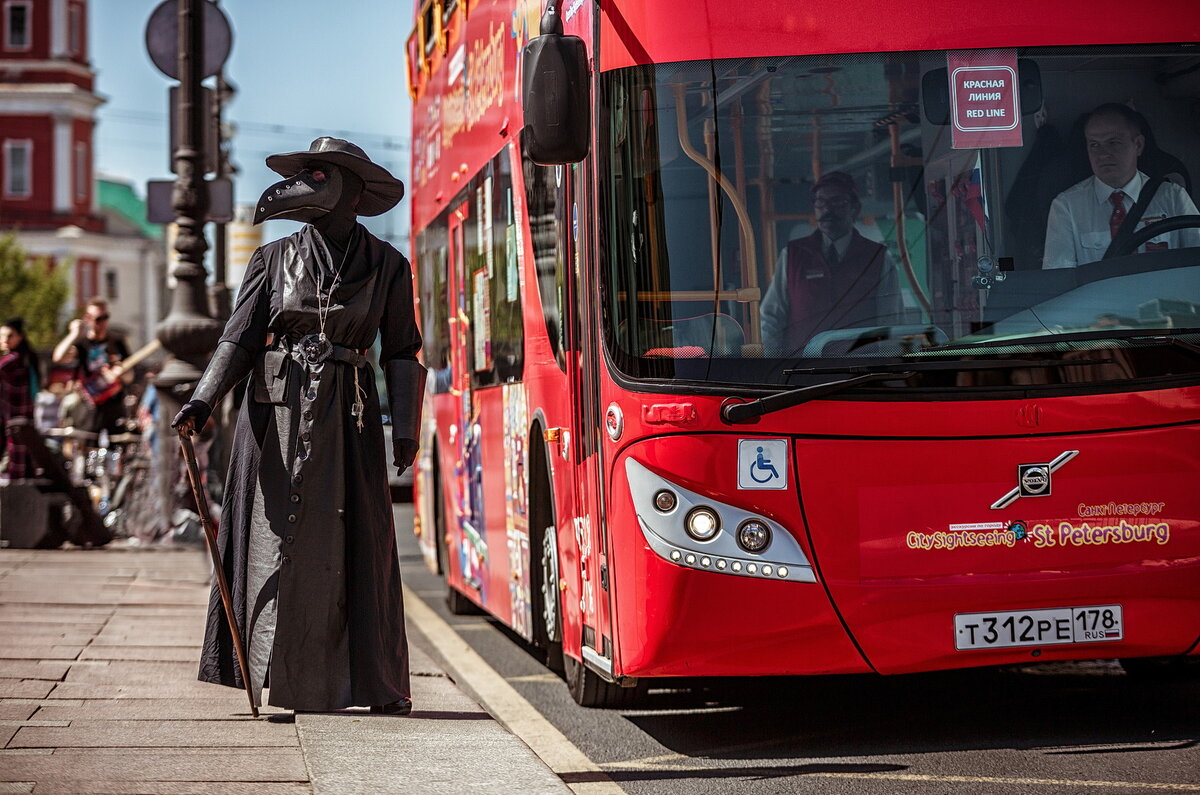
752, 409
866, 374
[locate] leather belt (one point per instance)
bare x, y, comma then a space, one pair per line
314, 349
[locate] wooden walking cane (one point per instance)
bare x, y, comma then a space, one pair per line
210, 532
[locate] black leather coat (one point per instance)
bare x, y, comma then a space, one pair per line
306, 536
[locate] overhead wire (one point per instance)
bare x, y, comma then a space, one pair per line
257, 128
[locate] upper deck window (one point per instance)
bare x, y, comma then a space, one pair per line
430, 26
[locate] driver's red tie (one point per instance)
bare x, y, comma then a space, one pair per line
1118, 214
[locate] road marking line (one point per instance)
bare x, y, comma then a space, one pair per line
654, 763
1041, 782
547, 677
507, 705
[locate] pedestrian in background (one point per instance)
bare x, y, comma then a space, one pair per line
97, 355
19, 379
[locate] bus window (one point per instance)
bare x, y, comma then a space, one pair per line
494, 305
435, 304
543, 203
767, 211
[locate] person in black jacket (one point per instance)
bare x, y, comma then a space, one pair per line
97, 355
306, 534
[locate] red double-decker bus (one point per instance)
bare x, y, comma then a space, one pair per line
771, 338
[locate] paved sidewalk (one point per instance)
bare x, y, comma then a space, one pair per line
98, 694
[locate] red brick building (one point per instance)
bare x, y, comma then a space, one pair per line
47, 112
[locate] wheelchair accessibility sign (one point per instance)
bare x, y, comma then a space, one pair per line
762, 463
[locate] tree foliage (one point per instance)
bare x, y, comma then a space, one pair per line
31, 290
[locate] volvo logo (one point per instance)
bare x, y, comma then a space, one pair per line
1033, 480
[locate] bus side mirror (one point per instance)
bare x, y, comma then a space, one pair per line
935, 91
555, 96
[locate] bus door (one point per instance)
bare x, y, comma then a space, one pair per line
468, 546
591, 534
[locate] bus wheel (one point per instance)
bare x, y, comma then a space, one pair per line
543, 558
589, 690
549, 630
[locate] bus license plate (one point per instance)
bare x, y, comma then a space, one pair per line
1057, 625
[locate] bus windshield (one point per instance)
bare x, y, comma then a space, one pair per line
766, 214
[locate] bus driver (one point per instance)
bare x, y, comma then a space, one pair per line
834, 278
1085, 218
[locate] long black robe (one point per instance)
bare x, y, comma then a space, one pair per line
306, 536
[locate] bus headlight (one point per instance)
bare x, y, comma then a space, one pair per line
753, 535
700, 532
702, 523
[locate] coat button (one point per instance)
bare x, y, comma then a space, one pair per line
297, 479
292, 518
286, 559
301, 456
290, 539
305, 435
308, 415
295, 498
312, 394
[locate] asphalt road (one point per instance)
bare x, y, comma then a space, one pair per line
1038, 729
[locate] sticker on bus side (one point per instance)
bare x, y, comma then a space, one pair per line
762, 464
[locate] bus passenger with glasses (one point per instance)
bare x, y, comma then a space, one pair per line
834, 278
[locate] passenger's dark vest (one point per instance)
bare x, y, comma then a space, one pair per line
822, 298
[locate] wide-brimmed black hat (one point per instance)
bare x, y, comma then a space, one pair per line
381, 191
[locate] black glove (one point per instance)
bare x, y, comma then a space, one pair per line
192, 418
404, 452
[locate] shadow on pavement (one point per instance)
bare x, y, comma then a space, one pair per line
1031, 707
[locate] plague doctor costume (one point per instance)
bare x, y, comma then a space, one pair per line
306, 536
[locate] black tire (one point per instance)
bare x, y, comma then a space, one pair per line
544, 595
548, 618
589, 690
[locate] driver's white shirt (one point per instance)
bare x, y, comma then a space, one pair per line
1077, 230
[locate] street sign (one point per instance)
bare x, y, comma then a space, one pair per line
160, 211
162, 39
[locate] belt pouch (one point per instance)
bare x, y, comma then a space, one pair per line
271, 373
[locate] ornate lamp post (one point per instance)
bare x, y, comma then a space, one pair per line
189, 333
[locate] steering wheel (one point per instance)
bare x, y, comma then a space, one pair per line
1154, 230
